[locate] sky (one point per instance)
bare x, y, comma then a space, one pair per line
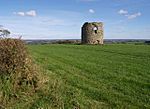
63, 19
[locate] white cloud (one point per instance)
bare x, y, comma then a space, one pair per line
129, 16
133, 16
20, 13
31, 13
91, 11
122, 12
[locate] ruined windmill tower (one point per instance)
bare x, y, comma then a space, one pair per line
92, 33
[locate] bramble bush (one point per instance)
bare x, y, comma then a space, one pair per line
18, 74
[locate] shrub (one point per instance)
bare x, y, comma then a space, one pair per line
67, 42
147, 42
17, 72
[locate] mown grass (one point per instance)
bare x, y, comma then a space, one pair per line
95, 77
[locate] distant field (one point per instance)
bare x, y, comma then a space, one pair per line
95, 77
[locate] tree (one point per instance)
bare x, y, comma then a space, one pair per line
4, 33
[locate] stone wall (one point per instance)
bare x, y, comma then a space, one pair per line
92, 33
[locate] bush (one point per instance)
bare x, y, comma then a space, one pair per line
67, 42
17, 73
147, 42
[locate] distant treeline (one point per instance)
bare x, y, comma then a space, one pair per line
147, 42
78, 41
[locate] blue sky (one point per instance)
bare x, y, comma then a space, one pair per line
62, 19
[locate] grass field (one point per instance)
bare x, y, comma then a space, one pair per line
95, 77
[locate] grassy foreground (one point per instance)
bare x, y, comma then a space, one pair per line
95, 77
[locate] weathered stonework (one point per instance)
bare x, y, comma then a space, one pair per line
92, 33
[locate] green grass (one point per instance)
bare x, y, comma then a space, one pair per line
95, 77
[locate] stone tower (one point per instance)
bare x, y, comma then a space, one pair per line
92, 33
